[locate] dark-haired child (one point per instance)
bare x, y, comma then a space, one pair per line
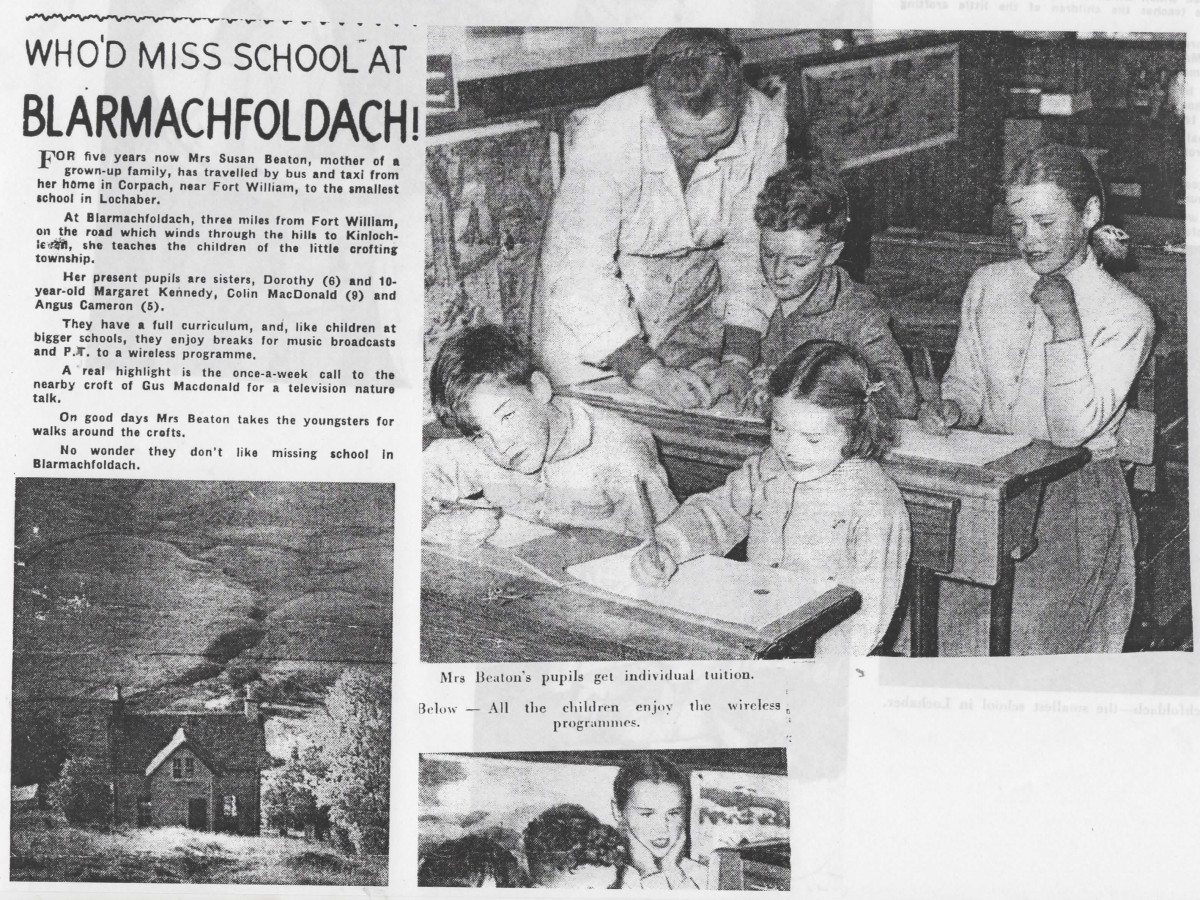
802, 214
470, 861
1049, 347
529, 453
651, 798
568, 848
816, 502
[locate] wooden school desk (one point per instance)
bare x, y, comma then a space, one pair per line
969, 523
491, 605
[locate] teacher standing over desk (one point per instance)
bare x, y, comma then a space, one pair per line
651, 246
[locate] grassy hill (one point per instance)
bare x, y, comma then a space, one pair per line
45, 848
162, 585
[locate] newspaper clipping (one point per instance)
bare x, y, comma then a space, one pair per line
778, 480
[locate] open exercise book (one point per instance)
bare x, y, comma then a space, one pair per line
514, 531
971, 448
755, 597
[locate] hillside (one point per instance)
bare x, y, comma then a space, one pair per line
182, 591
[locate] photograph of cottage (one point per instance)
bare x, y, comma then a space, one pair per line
200, 770
201, 682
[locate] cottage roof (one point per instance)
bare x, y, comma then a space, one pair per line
25, 794
181, 740
227, 741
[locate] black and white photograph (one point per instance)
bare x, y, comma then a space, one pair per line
629, 820
201, 682
775, 344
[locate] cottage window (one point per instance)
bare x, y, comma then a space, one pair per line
183, 768
231, 806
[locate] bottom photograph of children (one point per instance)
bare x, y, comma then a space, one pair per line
619, 819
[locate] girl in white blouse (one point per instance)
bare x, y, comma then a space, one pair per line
650, 803
1048, 347
816, 502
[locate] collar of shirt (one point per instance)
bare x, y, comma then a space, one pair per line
574, 435
822, 299
656, 154
1082, 277
848, 473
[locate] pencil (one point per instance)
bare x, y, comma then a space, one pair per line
933, 386
462, 503
648, 519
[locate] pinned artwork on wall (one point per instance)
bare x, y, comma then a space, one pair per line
731, 809
487, 194
865, 110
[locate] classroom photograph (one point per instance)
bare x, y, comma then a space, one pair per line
606, 819
766, 344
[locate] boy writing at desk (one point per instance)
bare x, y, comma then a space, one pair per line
523, 450
802, 215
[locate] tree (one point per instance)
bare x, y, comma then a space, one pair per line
357, 785
40, 746
83, 793
290, 801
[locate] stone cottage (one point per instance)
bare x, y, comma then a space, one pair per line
200, 770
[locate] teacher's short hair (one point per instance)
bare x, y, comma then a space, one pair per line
696, 69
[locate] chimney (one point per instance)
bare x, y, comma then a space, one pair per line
250, 705
118, 703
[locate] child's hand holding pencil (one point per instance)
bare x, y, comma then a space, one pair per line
653, 565
462, 526
936, 416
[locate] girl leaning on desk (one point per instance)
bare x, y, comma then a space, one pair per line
1049, 347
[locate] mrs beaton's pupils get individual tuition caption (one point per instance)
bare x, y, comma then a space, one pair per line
563, 700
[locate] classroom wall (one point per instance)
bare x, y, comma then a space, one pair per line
954, 188
947, 188
487, 196
950, 188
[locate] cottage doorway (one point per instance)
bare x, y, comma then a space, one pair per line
198, 814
